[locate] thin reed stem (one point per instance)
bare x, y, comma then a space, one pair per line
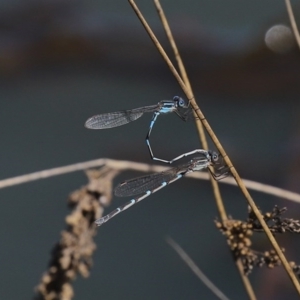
186, 80
218, 145
293, 22
203, 140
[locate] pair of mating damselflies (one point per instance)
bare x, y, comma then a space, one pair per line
147, 185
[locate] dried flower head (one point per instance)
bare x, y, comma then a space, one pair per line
275, 222
73, 253
238, 234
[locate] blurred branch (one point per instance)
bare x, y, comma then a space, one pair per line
125, 165
195, 269
293, 22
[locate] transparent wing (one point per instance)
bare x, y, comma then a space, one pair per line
140, 185
111, 120
119, 118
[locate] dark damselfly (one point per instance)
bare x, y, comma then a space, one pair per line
119, 118
147, 185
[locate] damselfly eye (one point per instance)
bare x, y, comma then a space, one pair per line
215, 156
180, 101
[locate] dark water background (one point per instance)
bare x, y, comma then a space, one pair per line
63, 61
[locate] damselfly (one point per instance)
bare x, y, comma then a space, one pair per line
119, 118
147, 185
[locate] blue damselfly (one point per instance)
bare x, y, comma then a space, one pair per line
119, 118
147, 185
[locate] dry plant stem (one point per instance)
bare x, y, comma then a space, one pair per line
181, 69
195, 269
215, 186
234, 173
293, 22
123, 165
186, 80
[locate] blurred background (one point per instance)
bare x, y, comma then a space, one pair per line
64, 61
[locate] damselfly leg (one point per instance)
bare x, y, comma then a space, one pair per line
119, 118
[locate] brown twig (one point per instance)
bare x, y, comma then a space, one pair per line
218, 145
215, 186
293, 22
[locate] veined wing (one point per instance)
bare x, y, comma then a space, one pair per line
142, 184
119, 118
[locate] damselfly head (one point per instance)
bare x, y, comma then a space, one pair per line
214, 156
181, 102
